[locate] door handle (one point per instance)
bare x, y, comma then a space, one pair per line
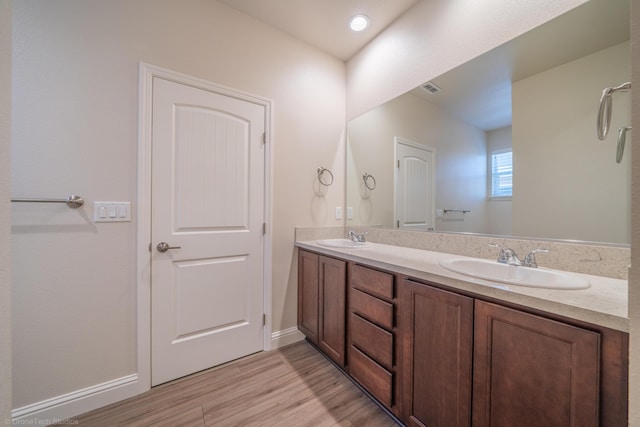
164, 247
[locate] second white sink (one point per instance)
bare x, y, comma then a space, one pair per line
512, 275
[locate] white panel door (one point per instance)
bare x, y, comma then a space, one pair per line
414, 186
208, 207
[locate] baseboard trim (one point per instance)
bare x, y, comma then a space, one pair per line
78, 402
286, 337
68, 405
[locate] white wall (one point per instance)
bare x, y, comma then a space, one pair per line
75, 111
460, 162
435, 37
559, 164
498, 211
5, 230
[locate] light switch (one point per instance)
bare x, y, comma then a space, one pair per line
338, 212
111, 211
349, 212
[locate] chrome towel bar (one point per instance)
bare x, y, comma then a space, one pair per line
71, 201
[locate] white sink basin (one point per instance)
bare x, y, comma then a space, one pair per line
512, 275
342, 243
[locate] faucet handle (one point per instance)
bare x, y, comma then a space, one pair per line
530, 259
503, 252
357, 237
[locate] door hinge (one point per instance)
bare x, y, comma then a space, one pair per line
150, 247
264, 228
398, 164
398, 224
264, 137
264, 319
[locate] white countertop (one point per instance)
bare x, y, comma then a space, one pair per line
603, 304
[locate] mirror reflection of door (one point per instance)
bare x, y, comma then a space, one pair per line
414, 187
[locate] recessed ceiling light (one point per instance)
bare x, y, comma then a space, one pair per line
359, 22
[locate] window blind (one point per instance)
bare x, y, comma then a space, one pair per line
501, 174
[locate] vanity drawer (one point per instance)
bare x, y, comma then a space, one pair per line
372, 281
376, 379
372, 340
371, 308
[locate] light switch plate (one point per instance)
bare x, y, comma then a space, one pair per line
111, 211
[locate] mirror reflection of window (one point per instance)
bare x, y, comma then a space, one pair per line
501, 174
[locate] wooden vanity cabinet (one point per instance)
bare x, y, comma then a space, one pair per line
308, 294
372, 330
531, 371
469, 362
437, 349
322, 289
437, 357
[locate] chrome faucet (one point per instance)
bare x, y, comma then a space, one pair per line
530, 259
509, 256
356, 237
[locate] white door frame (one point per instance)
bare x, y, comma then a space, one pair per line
143, 338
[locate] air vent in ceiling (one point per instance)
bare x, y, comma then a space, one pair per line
431, 87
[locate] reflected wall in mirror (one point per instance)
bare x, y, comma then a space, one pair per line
536, 95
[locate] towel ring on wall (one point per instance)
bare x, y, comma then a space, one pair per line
622, 139
322, 178
369, 181
606, 107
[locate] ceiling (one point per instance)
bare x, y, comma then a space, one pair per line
325, 23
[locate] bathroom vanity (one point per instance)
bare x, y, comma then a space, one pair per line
436, 348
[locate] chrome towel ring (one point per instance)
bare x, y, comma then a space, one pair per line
606, 106
369, 181
325, 177
622, 138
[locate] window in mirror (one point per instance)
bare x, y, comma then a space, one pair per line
501, 174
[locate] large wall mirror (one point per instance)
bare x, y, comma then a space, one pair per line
537, 97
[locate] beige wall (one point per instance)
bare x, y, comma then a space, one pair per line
560, 165
460, 166
75, 131
5, 230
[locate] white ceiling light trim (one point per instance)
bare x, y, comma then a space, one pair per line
359, 22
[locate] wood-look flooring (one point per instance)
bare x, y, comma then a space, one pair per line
292, 386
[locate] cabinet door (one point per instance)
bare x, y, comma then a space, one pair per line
437, 341
308, 291
530, 371
333, 292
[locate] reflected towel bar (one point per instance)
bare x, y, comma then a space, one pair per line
71, 201
464, 211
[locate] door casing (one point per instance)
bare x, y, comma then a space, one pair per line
143, 245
